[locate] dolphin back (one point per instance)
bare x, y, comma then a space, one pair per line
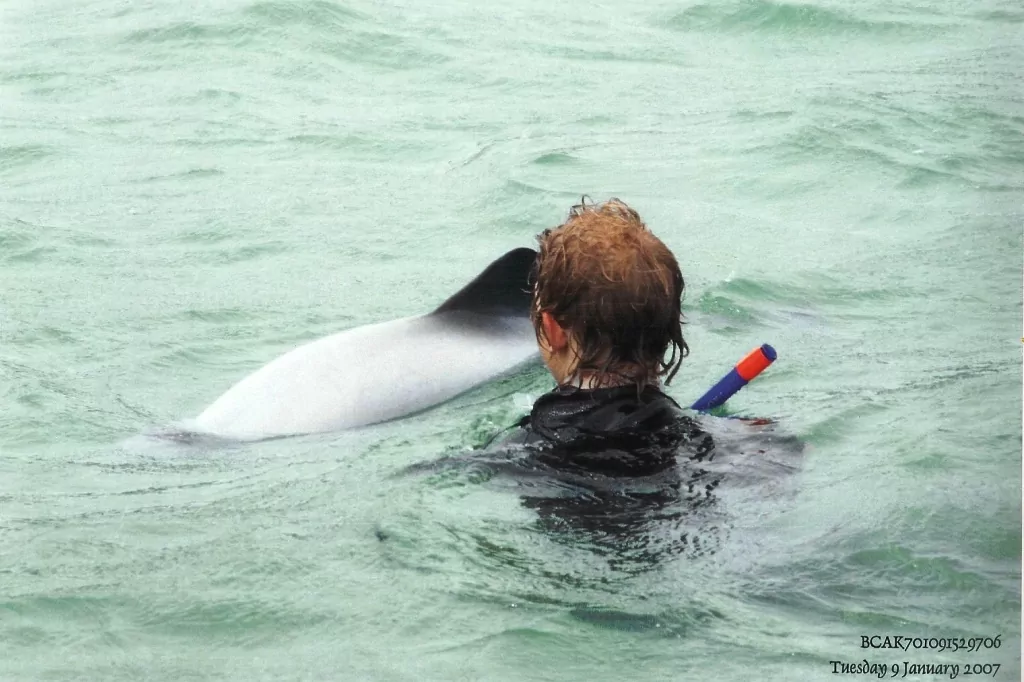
390, 369
503, 288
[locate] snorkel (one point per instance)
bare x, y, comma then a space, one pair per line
755, 362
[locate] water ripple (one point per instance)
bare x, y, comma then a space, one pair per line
764, 16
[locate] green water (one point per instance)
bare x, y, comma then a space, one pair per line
189, 189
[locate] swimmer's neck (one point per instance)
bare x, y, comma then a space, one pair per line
590, 380
560, 352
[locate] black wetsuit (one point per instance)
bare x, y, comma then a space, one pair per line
617, 469
616, 432
628, 474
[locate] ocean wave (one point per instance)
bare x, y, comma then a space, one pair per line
17, 156
324, 28
763, 16
318, 13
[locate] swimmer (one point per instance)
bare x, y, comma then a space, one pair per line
607, 459
613, 463
607, 314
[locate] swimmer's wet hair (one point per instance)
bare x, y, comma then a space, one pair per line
616, 289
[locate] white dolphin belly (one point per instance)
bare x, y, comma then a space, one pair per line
370, 374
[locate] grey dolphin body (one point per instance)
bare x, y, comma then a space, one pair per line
387, 370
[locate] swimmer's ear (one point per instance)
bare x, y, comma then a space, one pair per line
553, 333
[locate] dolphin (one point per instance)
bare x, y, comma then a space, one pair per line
387, 370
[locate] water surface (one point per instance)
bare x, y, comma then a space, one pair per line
188, 190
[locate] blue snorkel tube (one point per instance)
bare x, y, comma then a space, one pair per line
745, 370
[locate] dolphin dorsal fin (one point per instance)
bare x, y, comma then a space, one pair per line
503, 288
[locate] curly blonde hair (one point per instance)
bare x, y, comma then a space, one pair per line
616, 289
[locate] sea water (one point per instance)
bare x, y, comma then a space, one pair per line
189, 189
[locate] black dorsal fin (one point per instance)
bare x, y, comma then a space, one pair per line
503, 288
